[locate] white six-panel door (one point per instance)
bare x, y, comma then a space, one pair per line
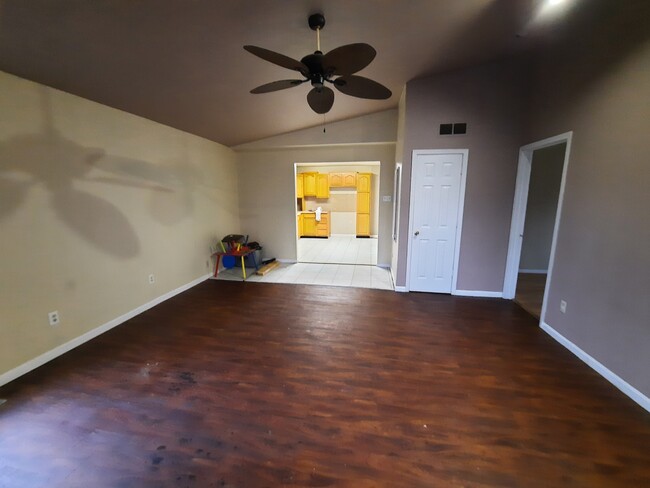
435, 195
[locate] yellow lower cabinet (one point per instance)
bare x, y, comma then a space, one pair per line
363, 224
323, 227
309, 224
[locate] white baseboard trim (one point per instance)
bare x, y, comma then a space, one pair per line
383, 265
91, 334
534, 271
602, 370
478, 293
401, 289
287, 261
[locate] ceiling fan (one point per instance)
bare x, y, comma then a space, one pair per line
336, 67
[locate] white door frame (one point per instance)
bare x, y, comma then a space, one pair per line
519, 214
461, 207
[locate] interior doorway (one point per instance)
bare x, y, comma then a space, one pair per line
535, 219
337, 212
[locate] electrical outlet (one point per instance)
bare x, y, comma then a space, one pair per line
562, 306
53, 318
152, 279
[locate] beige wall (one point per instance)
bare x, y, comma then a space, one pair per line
597, 84
267, 194
373, 128
93, 200
490, 99
266, 183
541, 207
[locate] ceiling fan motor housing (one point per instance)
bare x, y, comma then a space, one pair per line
316, 21
315, 64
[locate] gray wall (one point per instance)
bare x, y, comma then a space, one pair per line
541, 207
490, 99
596, 84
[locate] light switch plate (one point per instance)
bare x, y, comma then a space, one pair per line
386, 198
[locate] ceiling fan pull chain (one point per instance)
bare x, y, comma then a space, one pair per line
324, 122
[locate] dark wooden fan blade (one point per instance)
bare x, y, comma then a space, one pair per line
277, 58
277, 85
321, 101
358, 86
348, 59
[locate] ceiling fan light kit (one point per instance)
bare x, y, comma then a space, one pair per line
337, 67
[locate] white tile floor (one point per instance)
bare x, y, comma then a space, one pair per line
360, 276
338, 249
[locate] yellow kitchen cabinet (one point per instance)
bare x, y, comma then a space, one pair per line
364, 181
343, 180
300, 179
301, 227
309, 184
323, 227
363, 202
322, 186
312, 228
363, 225
349, 179
308, 224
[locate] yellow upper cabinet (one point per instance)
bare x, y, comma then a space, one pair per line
322, 186
343, 180
349, 179
363, 182
309, 184
300, 193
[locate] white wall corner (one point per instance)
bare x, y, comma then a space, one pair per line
601, 369
38, 361
401, 289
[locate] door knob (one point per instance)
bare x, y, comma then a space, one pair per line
417, 232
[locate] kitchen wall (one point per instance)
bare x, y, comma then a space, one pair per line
92, 201
541, 207
342, 203
595, 82
490, 98
266, 187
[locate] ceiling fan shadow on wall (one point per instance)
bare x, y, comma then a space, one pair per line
337, 68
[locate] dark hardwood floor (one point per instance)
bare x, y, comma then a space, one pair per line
236, 384
530, 293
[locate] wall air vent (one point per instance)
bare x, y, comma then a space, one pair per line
460, 128
449, 129
446, 129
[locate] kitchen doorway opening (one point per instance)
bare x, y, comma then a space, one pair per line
337, 212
